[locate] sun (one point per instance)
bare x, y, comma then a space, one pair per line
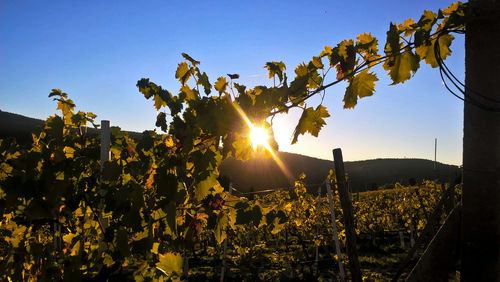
259, 137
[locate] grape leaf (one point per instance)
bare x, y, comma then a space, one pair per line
193, 61
427, 51
220, 228
203, 80
405, 65
159, 102
426, 21
170, 263
188, 92
161, 121
206, 186
182, 73
362, 85
407, 27
111, 171
220, 85
246, 214
311, 121
392, 44
367, 43
276, 68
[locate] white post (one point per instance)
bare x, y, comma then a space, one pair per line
335, 233
224, 244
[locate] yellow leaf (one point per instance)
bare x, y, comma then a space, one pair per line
154, 249
170, 263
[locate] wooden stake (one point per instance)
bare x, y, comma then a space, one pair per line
335, 233
346, 204
105, 146
224, 244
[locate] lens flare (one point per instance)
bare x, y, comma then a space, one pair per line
259, 137
263, 140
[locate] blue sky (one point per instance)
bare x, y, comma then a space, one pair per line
97, 50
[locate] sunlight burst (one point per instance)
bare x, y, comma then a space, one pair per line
259, 137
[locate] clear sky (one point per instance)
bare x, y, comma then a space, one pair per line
97, 50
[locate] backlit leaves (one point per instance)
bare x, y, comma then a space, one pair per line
203, 80
362, 85
312, 120
183, 72
156, 194
170, 264
392, 45
220, 85
193, 61
207, 186
276, 68
427, 51
402, 67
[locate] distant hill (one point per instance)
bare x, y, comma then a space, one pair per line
18, 126
21, 127
260, 174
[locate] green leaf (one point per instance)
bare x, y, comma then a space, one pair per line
188, 92
203, 80
161, 121
316, 61
58, 92
207, 186
427, 20
344, 46
220, 228
362, 85
220, 85
392, 44
246, 214
312, 120
159, 102
111, 171
326, 52
405, 65
166, 183
144, 87
276, 68
66, 107
427, 51
407, 27
367, 43
193, 61
171, 212
54, 127
347, 55
170, 263
182, 73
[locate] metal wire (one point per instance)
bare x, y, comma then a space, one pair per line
470, 95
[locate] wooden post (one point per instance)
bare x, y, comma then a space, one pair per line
105, 146
224, 244
335, 233
401, 239
345, 202
481, 146
105, 142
